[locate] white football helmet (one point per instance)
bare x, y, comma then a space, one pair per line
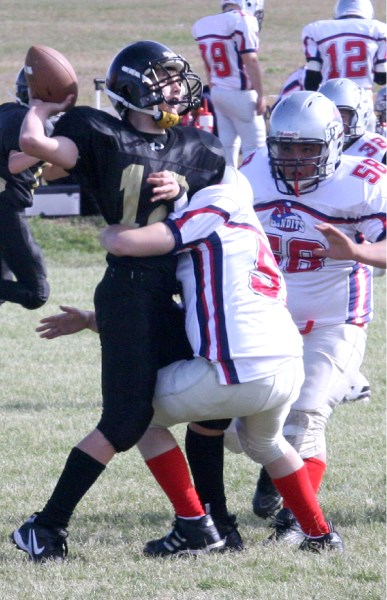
304, 117
347, 95
255, 8
240, 3
354, 8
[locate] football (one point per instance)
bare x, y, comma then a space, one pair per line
49, 74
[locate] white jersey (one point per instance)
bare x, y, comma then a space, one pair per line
222, 39
233, 291
322, 291
369, 145
351, 48
294, 83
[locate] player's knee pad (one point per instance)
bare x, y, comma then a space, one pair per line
305, 431
219, 424
123, 431
260, 449
36, 299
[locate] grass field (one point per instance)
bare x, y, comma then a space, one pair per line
90, 32
50, 391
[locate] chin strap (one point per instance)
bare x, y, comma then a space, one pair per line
165, 120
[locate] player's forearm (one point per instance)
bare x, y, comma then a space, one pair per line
60, 151
90, 320
372, 254
32, 138
341, 247
52, 172
152, 240
19, 161
254, 72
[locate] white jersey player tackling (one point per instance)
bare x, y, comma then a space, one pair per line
228, 43
247, 351
306, 193
352, 45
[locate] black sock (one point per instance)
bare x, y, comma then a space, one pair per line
78, 475
205, 457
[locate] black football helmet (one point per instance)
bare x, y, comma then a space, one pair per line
21, 87
138, 73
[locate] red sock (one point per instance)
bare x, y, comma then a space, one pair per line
316, 469
170, 470
299, 496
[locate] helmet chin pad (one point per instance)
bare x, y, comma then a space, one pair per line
167, 120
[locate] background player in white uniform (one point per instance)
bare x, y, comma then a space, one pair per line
248, 353
354, 109
352, 45
305, 188
294, 83
228, 43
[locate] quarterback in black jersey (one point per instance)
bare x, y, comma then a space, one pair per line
23, 275
136, 166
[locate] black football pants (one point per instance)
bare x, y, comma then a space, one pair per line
141, 329
24, 258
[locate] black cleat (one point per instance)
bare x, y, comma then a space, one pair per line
187, 537
286, 529
41, 543
228, 531
328, 541
267, 499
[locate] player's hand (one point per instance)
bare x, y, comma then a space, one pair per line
165, 186
341, 247
71, 320
52, 108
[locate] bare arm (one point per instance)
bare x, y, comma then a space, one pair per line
70, 321
341, 247
52, 172
60, 151
152, 240
19, 161
253, 68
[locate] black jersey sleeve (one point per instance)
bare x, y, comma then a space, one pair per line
17, 188
201, 157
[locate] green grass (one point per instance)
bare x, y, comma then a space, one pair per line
50, 398
50, 390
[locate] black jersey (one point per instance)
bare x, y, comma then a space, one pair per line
16, 190
115, 160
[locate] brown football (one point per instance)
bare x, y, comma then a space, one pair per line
49, 74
